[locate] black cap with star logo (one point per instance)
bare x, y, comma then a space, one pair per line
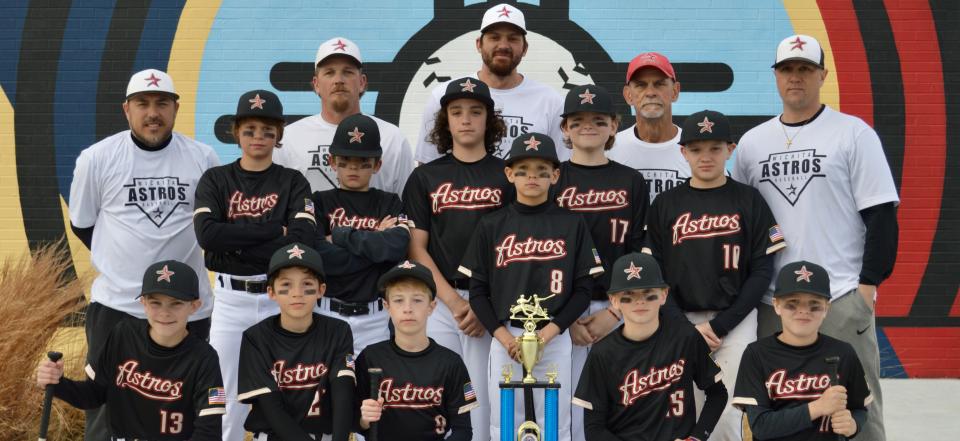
533, 145
260, 104
467, 87
803, 276
357, 136
635, 271
296, 254
588, 98
408, 268
173, 278
705, 125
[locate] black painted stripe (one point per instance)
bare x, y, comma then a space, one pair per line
938, 288
116, 64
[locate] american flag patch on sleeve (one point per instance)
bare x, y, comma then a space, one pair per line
596, 255
775, 234
308, 205
350, 362
216, 395
468, 393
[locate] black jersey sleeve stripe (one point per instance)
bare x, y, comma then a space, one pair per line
202, 210
253, 393
597, 270
346, 373
468, 407
582, 403
740, 402
774, 248
213, 411
465, 271
90, 372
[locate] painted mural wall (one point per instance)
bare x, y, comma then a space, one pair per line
64, 67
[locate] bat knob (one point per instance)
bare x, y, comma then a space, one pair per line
54, 356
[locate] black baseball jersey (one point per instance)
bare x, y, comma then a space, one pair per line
360, 211
706, 238
300, 367
613, 200
422, 391
239, 216
774, 375
524, 250
645, 388
154, 392
447, 197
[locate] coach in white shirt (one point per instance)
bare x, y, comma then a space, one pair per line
826, 178
131, 203
339, 80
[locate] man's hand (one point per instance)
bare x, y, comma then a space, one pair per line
868, 292
508, 342
706, 331
49, 372
833, 400
843, 423
370, 411
599, 324
579, 334
549, 332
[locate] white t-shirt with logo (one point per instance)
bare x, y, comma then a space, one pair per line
529, 107
661, 164
816, 188
306, 147
141, 205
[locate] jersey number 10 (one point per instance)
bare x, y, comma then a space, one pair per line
731, 257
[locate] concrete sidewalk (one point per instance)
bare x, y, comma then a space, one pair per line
921, 409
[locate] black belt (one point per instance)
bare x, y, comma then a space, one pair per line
519, 324
461, 284
249, 286
351, 309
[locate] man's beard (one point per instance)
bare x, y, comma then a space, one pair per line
501, 70
340, 103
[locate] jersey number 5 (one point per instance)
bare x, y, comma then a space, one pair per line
171, 422
676, 405
618, 230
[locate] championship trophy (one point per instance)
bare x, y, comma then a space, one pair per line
528, 311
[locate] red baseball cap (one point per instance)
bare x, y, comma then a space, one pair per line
651, 59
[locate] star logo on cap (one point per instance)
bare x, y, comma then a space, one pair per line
406, 265
340, 46
256, 102
633, 272
532, 144
505, 12
164, 274
355, 135
650, 57
706, 125
152, 80
586, 97
467, 86
797, 43
296, 251
803, 274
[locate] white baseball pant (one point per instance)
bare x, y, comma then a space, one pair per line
367, 328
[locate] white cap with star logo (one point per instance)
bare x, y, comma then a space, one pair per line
151, 80
503, 13
338, 46
799, 47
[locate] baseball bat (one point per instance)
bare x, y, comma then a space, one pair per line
376, 374
832, 362
47, 400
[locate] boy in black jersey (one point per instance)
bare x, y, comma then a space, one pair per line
531, 247
244, 212
296, 368
715, 238
612, 199
157, 380
352, 295
445, 199
425, 391
638, 381
800, 384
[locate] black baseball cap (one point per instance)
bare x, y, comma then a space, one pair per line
533, 145
173, 278
635, 271
357, 135
261, 104
588, 98
705, 125
467, 87
803, 276
408, 268
296, 254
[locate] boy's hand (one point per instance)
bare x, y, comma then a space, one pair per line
599, 324
843, 423
49, 372
833, 400
549, 332
370, 411
387, 222
579, 334
706, 331
508, 342
467, 321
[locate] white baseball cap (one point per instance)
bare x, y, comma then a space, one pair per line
151, 80
503, 13
338, 46
799, 47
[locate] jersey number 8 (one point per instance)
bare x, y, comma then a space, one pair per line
556, 281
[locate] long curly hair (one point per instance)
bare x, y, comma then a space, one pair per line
441, 137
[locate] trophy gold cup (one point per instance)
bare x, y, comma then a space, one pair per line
528, 311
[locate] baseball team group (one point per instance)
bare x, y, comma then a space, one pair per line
361, 291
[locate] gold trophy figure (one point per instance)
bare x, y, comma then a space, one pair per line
529, 311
